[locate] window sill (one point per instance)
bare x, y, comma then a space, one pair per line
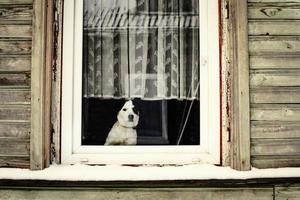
198, 172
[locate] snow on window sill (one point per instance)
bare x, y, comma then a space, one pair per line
143, 173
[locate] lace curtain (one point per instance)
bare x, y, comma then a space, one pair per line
147, 49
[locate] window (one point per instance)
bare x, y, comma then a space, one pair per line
162, 56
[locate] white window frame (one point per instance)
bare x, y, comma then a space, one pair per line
208, 151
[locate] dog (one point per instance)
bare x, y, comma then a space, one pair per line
123, 131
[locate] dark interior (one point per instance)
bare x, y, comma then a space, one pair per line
154, 128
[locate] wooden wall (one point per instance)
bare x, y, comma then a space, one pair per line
274, 48
15, 72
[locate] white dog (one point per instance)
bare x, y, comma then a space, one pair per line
123, 131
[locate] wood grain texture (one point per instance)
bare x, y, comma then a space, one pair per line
16, 2
275, 112
15, 130
274, 11
278, 27
263, 78
15, 63
275, 95
16, 31
290, 192
14, 161
15, 79
12, 47
139, 193
275, 61
14, 96
240, 148
16, 12
275, 147
14, 147
15, 113
275, 161
272, 46
38, 86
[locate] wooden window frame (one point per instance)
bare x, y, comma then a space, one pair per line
71, 155
240, 102
42, 53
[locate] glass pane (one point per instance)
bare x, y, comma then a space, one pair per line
141, 55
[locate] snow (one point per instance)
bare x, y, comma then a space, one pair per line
81, 172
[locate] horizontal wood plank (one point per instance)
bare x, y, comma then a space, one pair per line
141, 193
15, 130
278, 27
274, 11
16, 112
275, 112
16, 12
289, 192
15, 47
15, 79
275, 95
275, 161
16, 1
288, 45
275, 130
14, 147
273, 1
275, 62
14, 161
265, 78
15, 63
14, 96
16, 31
278, 147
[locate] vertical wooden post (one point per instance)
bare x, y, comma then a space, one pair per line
240, 147
40, 86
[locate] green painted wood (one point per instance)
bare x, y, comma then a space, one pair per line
145, 194
290, 192
272, 27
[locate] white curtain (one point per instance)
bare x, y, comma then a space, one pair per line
147, 49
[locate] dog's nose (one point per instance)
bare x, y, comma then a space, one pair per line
130, 117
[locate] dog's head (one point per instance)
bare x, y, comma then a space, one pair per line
128, 115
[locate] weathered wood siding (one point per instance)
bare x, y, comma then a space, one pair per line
274, 48
15, 72
139, 193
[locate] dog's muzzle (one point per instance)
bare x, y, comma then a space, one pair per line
130, 118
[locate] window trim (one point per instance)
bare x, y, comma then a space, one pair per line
73, 152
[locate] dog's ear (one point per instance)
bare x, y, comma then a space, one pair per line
135, 110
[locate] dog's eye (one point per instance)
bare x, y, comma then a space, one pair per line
124, 109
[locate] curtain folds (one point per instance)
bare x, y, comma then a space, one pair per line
145, 49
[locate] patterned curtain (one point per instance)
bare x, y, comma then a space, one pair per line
147, 49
